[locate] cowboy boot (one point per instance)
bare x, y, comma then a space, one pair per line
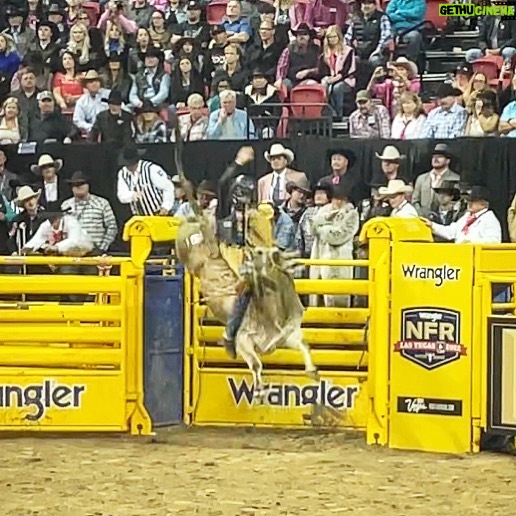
229, 345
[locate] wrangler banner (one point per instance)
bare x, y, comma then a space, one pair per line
430, 347
292, 400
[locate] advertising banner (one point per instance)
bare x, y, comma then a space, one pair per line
430, 346
48, 400
225, 397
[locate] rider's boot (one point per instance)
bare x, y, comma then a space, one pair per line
229, 345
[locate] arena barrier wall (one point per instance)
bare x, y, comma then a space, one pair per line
435, 371
76, 367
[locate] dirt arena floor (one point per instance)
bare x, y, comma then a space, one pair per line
236, 473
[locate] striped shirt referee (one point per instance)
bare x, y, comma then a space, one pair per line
144, 185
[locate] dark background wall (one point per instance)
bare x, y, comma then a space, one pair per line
487, 161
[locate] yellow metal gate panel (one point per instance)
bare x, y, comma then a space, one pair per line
223, 397
62, 400
431, 362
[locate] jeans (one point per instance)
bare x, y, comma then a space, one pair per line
236, 317
475, 53
336, 94
413, 39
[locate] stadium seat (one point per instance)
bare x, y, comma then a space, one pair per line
282, 129
307, 100
215, 11
432, 15
488, 66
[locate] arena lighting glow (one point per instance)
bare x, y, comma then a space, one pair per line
452, 10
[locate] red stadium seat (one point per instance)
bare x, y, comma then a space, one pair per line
281, 131
433, 16
215, 11
489, 66
308, 100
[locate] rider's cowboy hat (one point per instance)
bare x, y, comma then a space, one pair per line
395, 187
303, 185
46, 160
130, 155
25, 193
91, 75
449, 187
278, 150
405, 63
390, 153
207, 188
347, 153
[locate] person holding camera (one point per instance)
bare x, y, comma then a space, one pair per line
483, 120
369, 121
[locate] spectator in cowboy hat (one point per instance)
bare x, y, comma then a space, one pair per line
93, 212
113, 125
478, 225
391, 160
425, 198
448, 120
91, 103
448, 211
151, 82
299, 61
341, 163
295, 205
273, 185
396, 193
304, 238
47, 169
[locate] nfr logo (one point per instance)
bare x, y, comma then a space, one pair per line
430, 337
41, 397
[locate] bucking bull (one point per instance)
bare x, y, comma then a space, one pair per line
273, 317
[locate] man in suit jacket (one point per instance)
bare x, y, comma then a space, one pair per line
273, 186
52, 189
424, 198
478, 225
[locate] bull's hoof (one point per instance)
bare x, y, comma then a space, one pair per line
313, 374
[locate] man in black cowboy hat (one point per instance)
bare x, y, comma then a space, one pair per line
113, 125
93, 212
478, 225
45, 44
17, 29
424, 198
300, 58
447, 212
144, 185
341, 163
151, 83
448, 120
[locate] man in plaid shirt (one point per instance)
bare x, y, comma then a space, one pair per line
448, 120
369, 121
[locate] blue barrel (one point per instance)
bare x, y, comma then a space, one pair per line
164, 349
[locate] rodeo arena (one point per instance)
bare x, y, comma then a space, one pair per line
257, 257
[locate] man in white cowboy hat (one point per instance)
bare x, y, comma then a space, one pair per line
390, 159
27, 222
425, 198
273, 185
90, 103
52, 189
396, 193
